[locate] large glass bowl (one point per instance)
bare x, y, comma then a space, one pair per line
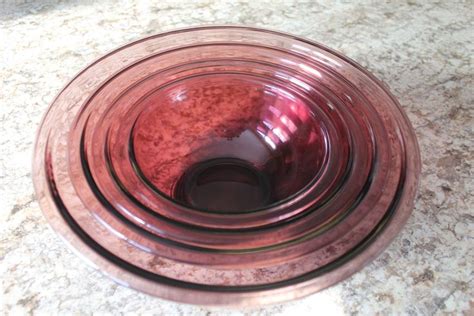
226, 166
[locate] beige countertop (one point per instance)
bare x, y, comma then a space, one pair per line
424, 52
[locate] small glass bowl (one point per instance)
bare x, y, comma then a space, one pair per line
226, 165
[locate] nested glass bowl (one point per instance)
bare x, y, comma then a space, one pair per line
226, 166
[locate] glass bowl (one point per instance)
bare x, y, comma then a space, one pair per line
226, 165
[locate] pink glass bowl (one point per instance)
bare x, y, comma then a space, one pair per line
226, 166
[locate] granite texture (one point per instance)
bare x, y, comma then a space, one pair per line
423, 51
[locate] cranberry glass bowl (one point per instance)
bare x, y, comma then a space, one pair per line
226, 166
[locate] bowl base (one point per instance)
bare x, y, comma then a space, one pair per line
225, 185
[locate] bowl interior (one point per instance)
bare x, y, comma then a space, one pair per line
227, 142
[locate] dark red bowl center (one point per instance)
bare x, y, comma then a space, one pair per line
228, 142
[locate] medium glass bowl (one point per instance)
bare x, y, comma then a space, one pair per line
226, 166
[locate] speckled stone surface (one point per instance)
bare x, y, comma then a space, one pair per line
424, 52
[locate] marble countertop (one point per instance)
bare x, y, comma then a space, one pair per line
424, 52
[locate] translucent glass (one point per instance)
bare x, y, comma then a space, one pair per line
226, 166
